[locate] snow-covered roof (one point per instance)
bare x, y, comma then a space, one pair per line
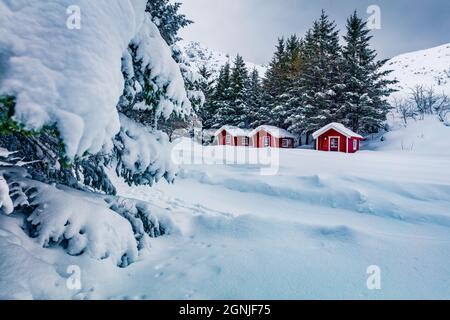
234, 131
339, 127
274, 131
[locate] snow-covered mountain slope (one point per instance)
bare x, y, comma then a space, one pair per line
198, 56
424, 137
430, 68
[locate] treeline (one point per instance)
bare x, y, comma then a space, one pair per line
310, 82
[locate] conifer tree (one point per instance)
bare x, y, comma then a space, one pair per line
321, 79
222, 97
166, 17
169, 21
207, 111
254, 99
274, 87
292, 107
239, 88
365, 106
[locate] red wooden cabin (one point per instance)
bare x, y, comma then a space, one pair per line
273, 137
335, 137
232, 136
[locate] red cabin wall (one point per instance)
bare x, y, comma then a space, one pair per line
257, 140
240, 142
350, 145
323, 141
223, 139
235, 141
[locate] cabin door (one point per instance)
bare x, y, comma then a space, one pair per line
334, 144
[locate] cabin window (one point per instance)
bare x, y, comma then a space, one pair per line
285, 143
266, 141
245, 141
355, 144
228, 140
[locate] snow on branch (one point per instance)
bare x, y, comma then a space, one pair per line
144, 155
71, 78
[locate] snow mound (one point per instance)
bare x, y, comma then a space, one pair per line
144, 219
82, 226
27, 273
6, 204
428, 136
71, 77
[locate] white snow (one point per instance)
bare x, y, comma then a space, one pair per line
154, 53
87, 227
234, 131
339, 127
427, 137
145, 151
310, 231
6, 204
429, 68
274, 131
73, 77
198, 55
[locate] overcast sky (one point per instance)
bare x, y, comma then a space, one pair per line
251, 27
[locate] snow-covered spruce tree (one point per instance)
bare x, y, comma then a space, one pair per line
154, 89
365, 86
321, 78
239, 89
207, 111
166, 17
221, 98
254, 99
274, 85
293, 111
193, 83
45, 151
229, 100
60, 111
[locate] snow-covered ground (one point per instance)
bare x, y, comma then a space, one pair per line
310, 231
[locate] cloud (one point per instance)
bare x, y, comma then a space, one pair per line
251, 27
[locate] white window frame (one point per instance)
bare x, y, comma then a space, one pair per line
228, 140
355, 144
285, 143
339, 143
266, 141
245, 141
